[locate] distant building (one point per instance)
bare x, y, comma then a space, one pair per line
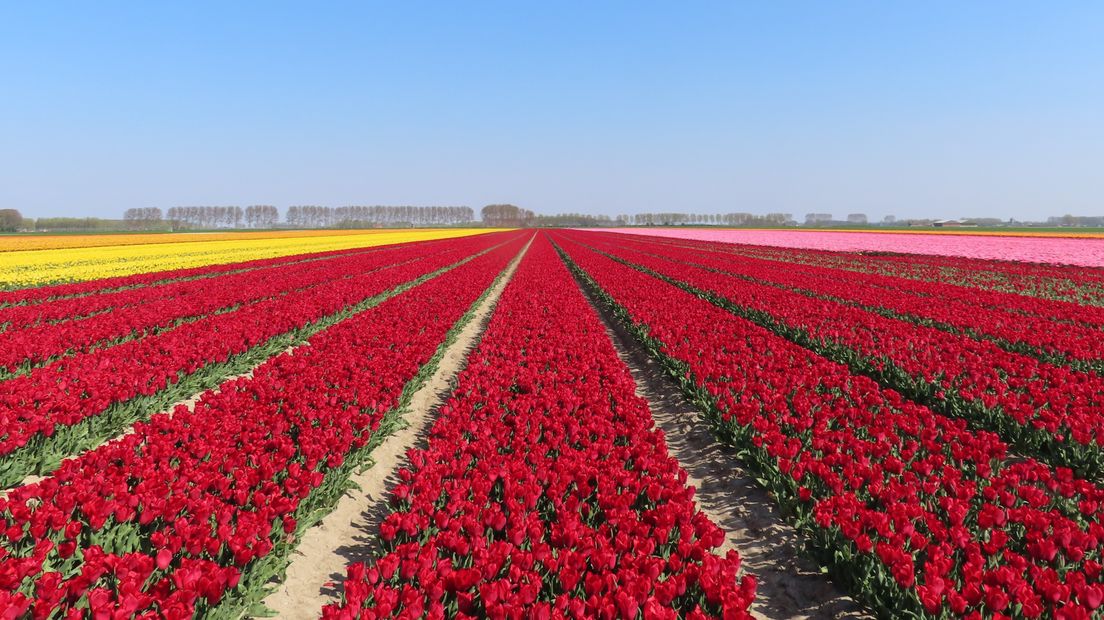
953, 224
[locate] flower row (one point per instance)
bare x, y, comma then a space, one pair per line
545, 491
964, 307
144, 288
78, 401
911, 509
1055, 282
201, 507
1053, 411
76, 290
140, 311
37, 267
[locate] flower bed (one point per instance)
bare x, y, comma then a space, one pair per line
915, 512
545, 491
200, 509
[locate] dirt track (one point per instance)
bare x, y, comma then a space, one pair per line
347, 534
790, 585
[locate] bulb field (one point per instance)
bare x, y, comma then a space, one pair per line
497, 423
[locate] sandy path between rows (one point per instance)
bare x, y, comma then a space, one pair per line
790, 584
348, 534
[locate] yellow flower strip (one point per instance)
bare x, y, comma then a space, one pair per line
35, 267
15, 243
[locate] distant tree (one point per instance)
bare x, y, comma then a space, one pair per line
575, 220
76, 223
175, 215
270, 216
147, 218
856, 218
130, 218
506, 216
261, 216
10, 220
294, 216
496, 214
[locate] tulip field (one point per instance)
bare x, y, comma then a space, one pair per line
177, 417
1067, 247
37, 260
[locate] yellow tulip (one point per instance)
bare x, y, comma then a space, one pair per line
91, 257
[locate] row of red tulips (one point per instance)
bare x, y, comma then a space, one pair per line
916, 513
938, 301
158, 285
545, 491
201, 508
59, 292
79, 401
1050, 411
136, 314
1055, 282
1055, 341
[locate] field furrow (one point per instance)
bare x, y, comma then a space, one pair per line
915, 512
240, 476
545, 489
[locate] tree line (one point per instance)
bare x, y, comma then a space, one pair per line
497, 215
576, 220
148, 218
253, 216
727, 219
506, 216
377, 215
11, 220
301, 216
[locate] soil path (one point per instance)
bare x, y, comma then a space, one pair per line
348, 534
790, 584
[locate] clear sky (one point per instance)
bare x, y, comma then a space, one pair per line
943, 109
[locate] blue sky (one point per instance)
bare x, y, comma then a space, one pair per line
941, 109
